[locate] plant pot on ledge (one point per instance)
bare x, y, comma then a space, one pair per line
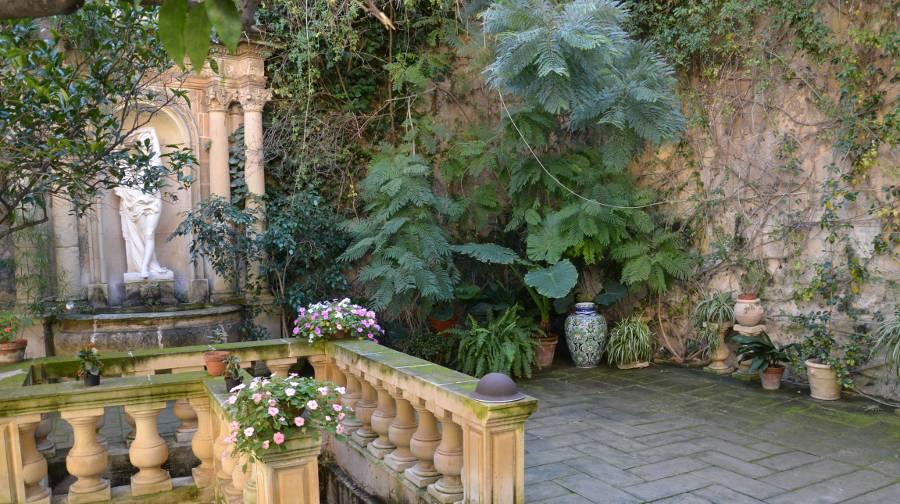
91, 379
748, 310
215, 362
13, 351
823, 384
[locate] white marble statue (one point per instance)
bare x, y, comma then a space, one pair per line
140, 213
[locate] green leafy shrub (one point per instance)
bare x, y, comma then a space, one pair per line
630, 341
887, 339
819, 345
713, 311
503, 345
762, 353
409, 262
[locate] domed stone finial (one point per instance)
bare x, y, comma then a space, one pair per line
496, 388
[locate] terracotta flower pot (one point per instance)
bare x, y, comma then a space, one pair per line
748, 310
339, 335
13, 351
546, 349
215, 362
823, 384
442, 325
771, 377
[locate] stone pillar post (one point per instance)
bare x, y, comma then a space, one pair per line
381, 422
423, 444
365, 406
87, 459
202, 445
218, 100
280, 367
34, 465
448, 460
349, 400
320, 366
65, 248
148, 451
289, 475
253, 99
494, 456
400, 433
188, 426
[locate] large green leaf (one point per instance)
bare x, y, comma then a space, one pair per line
172, 16
555, 281
488, 253
196, 36
226, 19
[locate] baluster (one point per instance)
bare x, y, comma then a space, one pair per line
365, 406
320, 366
280, 367
351, 423
239, 479
129, 438
87, 458
148, 451
400, 433
44, 445
448, 461
101, 439
34, 465
188, 426
381, 422
250, 487
224, 463
423, 444
202, 446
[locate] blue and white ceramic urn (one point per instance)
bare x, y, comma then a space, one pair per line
586, 335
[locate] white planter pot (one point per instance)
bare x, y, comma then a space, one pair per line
748, 312
823, 384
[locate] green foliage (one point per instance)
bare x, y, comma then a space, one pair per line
576, 58
712, 313
410, 262
887, 339
89, 360
502, 345
762, 353
437, 348
63, 112
630, 341
184, 28
9, 327
820, 345
555, 281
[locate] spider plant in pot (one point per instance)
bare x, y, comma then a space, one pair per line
89, 365
215, 359
630, 343
233, 376
765, 357
711, 319
887, 340
748, 310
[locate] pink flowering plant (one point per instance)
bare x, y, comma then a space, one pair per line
324, 320
266, 411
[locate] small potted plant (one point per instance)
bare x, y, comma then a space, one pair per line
232, 372
12, 347
215, 359
748, 310
630, 343
765, 357
89, 365
828, 363
336, 320
266, 412
711, 319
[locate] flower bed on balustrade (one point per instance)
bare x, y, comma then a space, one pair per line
266, 411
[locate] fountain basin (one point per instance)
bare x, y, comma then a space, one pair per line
134, 328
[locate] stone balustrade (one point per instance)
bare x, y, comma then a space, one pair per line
414, 435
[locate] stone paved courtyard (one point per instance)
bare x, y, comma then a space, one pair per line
673, 435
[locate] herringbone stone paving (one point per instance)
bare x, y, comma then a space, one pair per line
674, 435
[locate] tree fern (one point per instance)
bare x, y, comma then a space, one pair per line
409, 261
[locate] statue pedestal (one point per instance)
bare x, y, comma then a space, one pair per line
149, 292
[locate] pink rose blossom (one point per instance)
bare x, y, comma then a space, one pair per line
337, 407
257, 397
341, 416
232, 399
299, 421
272, 402
248, 431
289, 392
296, 330
278, 438
341, 390
266, 444
273, 411
339, 429
313, 405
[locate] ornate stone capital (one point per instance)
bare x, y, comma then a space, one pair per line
218, 98
253, 99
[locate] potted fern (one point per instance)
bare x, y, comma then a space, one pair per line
765, 357
630, 343
502, 345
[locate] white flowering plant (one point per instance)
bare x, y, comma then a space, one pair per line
266, 411
336, 319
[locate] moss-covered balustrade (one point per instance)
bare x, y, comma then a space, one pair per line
415, 435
